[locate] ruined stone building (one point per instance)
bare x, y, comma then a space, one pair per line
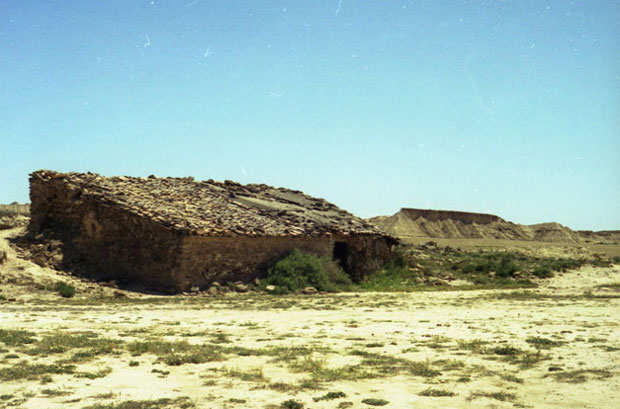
178, 233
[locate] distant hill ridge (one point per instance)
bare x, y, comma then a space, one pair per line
15, 208
465, 217
412, 223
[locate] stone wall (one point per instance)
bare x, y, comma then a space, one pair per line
53, 206
121, 245
207, 259
367, 254
126, 246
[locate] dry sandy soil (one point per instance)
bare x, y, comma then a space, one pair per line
556, 346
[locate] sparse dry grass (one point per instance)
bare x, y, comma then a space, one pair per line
324, 351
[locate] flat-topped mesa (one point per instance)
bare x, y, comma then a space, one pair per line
441, 215
180, 232
413, 223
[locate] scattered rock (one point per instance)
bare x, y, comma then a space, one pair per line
54, 245
241, 288
270, 288
195, 289
436, 281
57, 260
212, 290
309, 290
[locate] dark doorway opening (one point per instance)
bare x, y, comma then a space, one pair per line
341, 253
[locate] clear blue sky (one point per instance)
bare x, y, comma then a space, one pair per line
505, 107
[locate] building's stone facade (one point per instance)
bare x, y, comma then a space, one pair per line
207, 259
223, 232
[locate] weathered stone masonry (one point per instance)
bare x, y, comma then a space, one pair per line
176, 233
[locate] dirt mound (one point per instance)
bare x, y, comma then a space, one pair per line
554, 233
411, 223
601, 237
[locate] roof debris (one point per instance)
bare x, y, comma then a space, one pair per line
212, 208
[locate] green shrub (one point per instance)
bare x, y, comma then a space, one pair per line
468, 268
291, 404
330, 396
601, 263
542, 272
16, 337
506, 267
402, 256
390, 278
506, 350
564, 264
298, 270
375, 402
64, 289
436, 393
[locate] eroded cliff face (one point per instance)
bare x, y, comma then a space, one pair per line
411, 223
15, 208
442, 215
603, 236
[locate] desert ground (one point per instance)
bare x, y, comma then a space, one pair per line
554, 346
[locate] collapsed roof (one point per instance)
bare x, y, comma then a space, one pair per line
212, 208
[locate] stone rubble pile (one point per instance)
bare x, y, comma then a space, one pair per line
14, 215
11, 221
212, 208
44, 250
